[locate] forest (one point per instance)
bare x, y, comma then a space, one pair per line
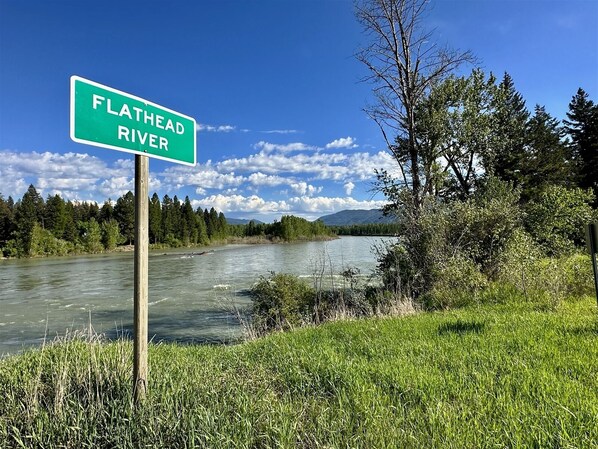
34, 227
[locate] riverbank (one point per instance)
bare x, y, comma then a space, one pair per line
250, 240
507, 375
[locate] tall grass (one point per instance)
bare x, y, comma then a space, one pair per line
492, 376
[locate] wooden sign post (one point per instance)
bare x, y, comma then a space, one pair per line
140, 279
592, 241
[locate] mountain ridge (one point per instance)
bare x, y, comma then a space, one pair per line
351, 217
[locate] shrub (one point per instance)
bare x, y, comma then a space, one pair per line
280, 302
458, 283
446, 250
557, 219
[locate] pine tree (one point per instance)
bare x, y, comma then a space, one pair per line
124, 212
582, 127
56, 216
107, 211
167, 220
6, 219
510, 120
28, 213
547, 158
155, 219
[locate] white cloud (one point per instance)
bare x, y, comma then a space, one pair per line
268, 147
303, 188
349, 186
215, 129
71, 175
261, 179
281, 131
305, 206
240, 203
343, 142
322, 204
203, 176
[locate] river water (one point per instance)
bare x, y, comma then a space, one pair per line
191, 297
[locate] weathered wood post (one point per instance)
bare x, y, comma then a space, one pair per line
140, 292
592, 241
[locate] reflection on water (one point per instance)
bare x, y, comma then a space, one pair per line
190, 296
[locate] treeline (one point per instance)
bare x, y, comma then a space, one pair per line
289, 228
379, 229
33, 227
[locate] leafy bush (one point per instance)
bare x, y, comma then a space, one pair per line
458, 283
557, 219
280, 302
446, 250
544, 280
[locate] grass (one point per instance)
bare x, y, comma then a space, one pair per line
500, 376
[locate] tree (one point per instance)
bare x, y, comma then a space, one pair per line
90, 235
56, 216
547, 159
167, 219
107, 211
510, 121
124, 212
155, 218
111, 234
582, 127
456, 134
28, 213
404, 64
6, 219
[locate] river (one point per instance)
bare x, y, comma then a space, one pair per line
191, 297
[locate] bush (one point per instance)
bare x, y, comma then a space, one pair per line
447, 250
557, 220
458, 283
281, 302
544, 280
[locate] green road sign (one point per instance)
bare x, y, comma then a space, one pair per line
109, 118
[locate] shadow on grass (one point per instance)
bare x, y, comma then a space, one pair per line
461, 327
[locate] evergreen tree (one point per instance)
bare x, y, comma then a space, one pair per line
177, 210
547, 158
155, 219
582, 127
6, 219
209, 224
107, 211
188, 223
510, 120
124, 212
28, 213
167, 219
70, 229
56, 216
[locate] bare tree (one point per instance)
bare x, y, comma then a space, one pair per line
404, 64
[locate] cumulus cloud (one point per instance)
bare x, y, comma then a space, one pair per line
343, 142
300, 205
203, 176
71, 175
240, 203
349, 186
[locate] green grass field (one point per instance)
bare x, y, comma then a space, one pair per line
499, 376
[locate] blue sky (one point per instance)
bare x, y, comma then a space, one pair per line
273, 86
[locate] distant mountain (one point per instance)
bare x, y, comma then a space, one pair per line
356, 217
241, 221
